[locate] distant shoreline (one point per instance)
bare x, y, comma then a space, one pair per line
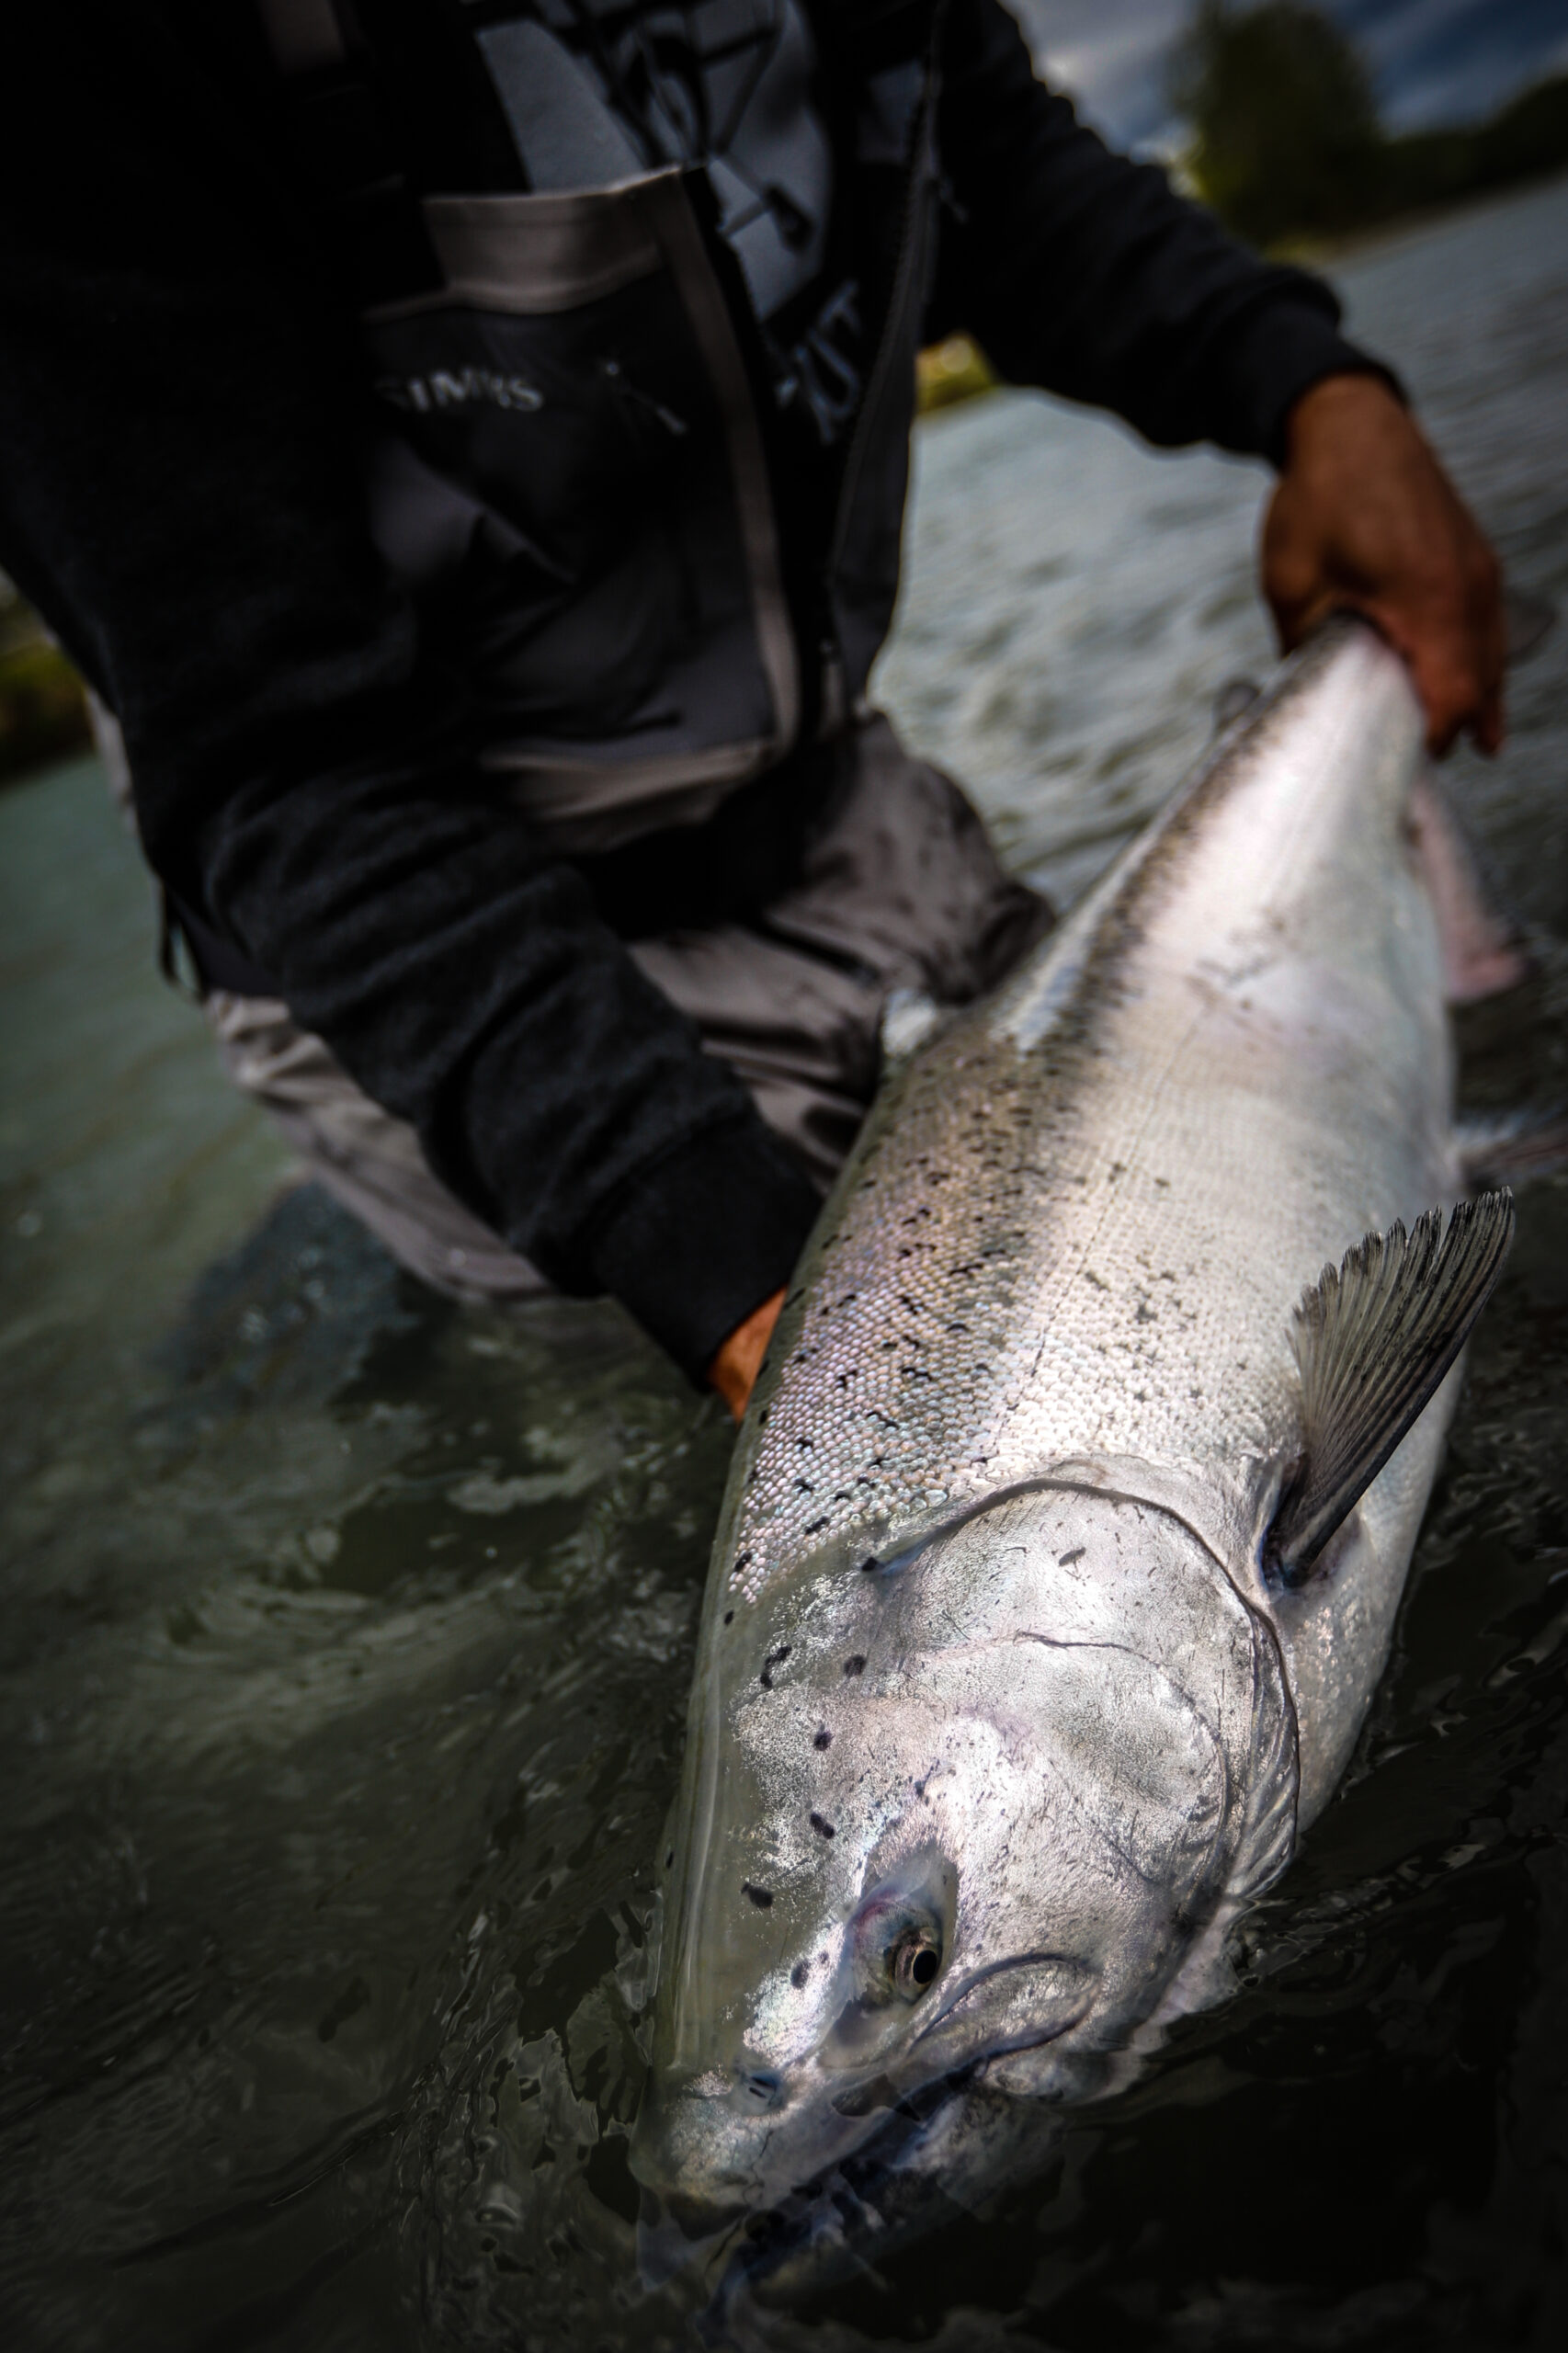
956, 371
1321, 252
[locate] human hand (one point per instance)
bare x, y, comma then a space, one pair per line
1364, 517
734, 1369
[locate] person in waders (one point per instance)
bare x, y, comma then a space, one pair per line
464, 443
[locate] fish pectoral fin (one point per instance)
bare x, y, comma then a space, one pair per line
1373, 1338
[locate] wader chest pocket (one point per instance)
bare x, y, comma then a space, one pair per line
571, 480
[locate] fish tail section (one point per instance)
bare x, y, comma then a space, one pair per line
1485, 951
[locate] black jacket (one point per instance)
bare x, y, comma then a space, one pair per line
184, 396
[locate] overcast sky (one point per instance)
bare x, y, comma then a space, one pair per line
1434, 61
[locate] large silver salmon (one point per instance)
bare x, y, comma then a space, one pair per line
1065, 1532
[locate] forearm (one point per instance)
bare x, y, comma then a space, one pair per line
1364, 517
463, 977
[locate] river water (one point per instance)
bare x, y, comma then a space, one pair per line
347, 1637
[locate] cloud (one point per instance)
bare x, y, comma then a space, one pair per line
1109, 54
1453, 60
1433, 61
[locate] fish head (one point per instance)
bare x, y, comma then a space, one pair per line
959, 1815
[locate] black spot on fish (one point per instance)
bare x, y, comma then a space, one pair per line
669, 1858
742, 1561
761, 1897
802, 1486
1068, 1558
800, 1973
774, 1658
823, 1828
804, 1444
869, 1565
856, 1666
729, 1616
813, 1526
823, 1739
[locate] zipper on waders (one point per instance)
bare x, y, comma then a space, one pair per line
834, 696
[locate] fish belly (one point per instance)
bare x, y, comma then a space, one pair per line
1079, 1221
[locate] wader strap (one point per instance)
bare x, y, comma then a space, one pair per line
390, 101
386, 100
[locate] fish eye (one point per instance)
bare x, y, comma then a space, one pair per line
913, 1962
900, 1953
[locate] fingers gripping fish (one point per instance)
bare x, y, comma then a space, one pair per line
1066, 1533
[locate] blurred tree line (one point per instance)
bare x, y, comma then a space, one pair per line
42, 714
1287, 140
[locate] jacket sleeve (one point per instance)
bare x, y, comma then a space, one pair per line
178, 496
1083, 273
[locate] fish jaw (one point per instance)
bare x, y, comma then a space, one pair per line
957, 1817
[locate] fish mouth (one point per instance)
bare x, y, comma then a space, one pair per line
1031, 1999
1038, 1963
992, 2012
698, 2214
1067, 1986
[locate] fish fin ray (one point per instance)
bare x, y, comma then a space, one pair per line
1373, 1338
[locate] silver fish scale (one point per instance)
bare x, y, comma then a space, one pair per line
1032, 1258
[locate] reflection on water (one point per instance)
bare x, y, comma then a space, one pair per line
346, 1636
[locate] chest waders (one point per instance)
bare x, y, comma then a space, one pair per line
571, 469
575, 469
